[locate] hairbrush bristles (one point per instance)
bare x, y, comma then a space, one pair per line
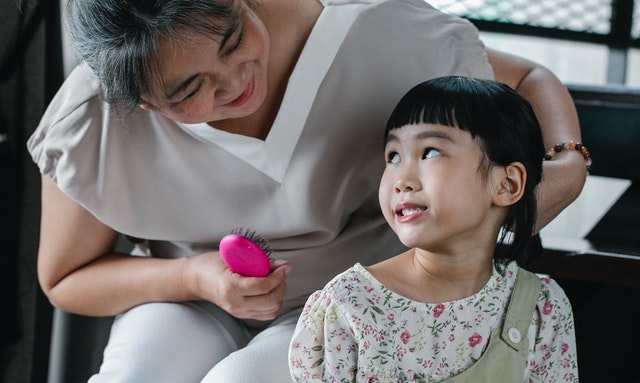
246, 252
255, 237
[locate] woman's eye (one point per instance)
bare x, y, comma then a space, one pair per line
430, 153
393, 158
188, 97
237, 43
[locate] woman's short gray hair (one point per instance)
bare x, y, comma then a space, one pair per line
119, 39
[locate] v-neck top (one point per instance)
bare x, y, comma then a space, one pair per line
272, 156
310, 187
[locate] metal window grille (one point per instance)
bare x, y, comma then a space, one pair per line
635, 31
615, 23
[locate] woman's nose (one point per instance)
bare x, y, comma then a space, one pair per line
230, 80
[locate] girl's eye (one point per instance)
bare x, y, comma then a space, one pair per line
430, 153
393, 158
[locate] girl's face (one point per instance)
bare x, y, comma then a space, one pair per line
210, 79
433, 193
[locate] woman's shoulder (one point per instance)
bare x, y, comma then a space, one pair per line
76, 104
80, 88
78, 126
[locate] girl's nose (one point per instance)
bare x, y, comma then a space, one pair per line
407, 182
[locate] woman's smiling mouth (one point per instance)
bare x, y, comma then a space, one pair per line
245, 96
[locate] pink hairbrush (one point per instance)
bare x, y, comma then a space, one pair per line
246, 252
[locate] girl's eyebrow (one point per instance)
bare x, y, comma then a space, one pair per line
434, 134
425, 135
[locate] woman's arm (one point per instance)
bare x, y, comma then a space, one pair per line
564, 176
80, 273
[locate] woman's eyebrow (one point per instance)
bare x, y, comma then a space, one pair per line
233, 28
226, 36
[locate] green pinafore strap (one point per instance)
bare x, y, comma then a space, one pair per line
505, 358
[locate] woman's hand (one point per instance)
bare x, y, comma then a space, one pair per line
243, 297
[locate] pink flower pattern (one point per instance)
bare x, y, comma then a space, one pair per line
438, 309
475, 339
358, 330
405, 336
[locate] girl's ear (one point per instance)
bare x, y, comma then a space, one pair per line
510, 181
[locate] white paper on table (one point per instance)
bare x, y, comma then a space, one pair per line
579, 218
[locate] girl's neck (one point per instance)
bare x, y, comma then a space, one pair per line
452, 277
434, 278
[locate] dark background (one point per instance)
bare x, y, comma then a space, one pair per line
606, 308
30, 71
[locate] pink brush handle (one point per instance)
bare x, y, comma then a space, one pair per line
243, 256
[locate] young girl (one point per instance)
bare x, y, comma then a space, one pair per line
463, 158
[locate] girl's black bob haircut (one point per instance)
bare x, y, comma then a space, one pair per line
507, 130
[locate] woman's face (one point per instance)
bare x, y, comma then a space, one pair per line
208, 79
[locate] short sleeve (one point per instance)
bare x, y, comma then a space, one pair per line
553, 356
67, 136
323, 344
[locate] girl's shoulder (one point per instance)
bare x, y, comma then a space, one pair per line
550, 293
338, 290
552, 299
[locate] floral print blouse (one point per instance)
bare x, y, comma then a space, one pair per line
357, 330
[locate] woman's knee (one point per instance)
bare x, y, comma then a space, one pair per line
169, 342
264, 359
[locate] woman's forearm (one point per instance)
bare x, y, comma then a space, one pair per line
79, 272
115, 283
564, 176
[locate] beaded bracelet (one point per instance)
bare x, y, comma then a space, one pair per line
571, 145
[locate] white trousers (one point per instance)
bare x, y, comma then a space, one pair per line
194, 342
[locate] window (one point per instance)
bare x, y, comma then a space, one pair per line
584, 42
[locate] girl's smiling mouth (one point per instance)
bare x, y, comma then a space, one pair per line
407, 212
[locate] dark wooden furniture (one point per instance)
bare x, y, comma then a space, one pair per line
601, 274
610, 123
